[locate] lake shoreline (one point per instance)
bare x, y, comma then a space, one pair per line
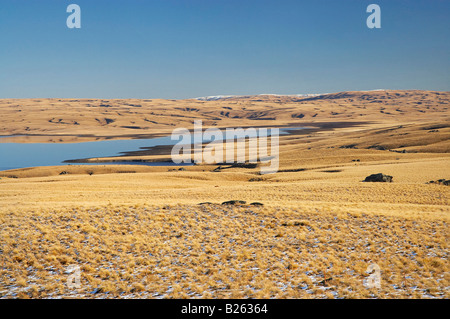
164, 150
25, 138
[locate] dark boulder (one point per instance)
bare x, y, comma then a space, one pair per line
348, 146
379, 178
234, 202
442, 181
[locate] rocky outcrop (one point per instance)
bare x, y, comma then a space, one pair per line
443, 181
382, 178
234, 202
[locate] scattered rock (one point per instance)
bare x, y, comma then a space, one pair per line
181, 169
206, 203
256, 179
379, 178
234, 202
257, 204
396, 151
353, 146
356, 160
63, 173
442, 181
295, 223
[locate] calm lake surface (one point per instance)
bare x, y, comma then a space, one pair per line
20, 155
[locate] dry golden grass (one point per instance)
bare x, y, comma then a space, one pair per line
327, 176
132, 240
214, 251
138, 232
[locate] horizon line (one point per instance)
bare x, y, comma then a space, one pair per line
218, 96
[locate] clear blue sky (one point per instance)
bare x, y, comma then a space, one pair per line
182, 49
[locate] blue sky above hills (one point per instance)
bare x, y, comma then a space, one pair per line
181, 49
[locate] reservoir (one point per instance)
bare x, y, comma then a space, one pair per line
21, 155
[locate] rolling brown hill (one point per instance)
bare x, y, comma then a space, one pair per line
412, 120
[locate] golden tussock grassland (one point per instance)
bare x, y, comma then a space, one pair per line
215, 251
140, 232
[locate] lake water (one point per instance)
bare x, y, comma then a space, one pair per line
20, 155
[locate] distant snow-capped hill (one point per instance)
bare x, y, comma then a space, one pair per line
225, 97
